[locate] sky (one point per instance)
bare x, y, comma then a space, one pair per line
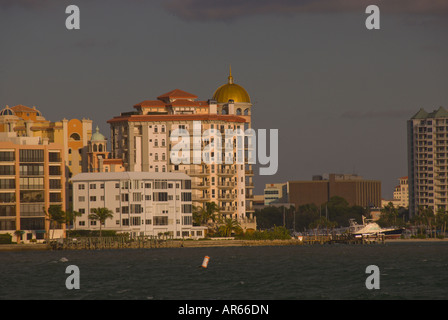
338, 93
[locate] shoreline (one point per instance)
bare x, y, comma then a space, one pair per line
204, 243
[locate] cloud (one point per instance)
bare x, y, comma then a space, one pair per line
88, 43
234, 9
354, 114
33, 4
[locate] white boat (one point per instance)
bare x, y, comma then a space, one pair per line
369, 228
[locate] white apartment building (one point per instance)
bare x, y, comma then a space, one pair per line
143, 203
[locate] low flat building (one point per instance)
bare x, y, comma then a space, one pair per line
353, 188
142, 203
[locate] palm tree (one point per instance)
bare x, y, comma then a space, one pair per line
18, 234
71, 216
55, 214
229, 226
209, 212
101, 215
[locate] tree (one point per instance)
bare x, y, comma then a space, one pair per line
71, 216
229, 226
322, 222
203, 215
389, 215
101, 215
18, 234
56, 217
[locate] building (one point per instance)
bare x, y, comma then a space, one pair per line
73, 135
428, 160
143, 203
141, 139
275, 192
31, 179
353, 188
401, 195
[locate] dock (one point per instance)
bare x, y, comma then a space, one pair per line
146, 242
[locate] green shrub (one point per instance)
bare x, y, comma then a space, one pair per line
5, 238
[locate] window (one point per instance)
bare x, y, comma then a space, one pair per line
136, 197
160, 196
75, 136
7, 170
186, 196
160, 185
160, 221
81, 186
7, 156
187, 208
93, 186
81, 198
31, 155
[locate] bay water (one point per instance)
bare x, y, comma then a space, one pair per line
408, 270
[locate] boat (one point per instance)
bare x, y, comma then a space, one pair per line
370, 228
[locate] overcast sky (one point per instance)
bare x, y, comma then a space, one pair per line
339, 94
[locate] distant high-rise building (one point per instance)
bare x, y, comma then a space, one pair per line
428, 160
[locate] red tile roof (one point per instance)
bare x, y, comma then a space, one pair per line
177, 94
180, 117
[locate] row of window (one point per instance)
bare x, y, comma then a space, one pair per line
137, 197
136, 184
137, 221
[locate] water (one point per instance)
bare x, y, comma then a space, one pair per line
417, 270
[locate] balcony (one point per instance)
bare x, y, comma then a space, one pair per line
197, 173
226, 197
227, 209
226, 172
200, 198
201, 185
226, 184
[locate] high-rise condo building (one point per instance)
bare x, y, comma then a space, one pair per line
142, 140
31, 180
428, 160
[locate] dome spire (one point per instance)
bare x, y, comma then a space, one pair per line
230, 75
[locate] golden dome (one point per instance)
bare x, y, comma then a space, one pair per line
231, 91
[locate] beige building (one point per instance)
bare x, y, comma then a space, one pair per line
428, 160
401, 195
31, 179
275, 192
141, 139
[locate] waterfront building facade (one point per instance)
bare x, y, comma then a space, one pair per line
73, 135
275, 192
142, 140
31, 180
142, 203
353, 188
428, 160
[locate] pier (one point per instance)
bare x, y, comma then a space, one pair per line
146, 242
